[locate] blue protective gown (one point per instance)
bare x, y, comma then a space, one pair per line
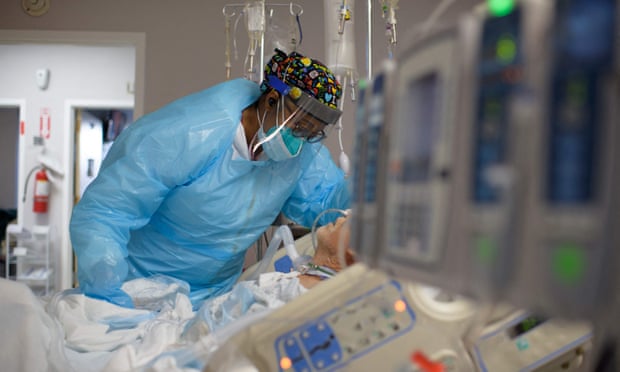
169, 198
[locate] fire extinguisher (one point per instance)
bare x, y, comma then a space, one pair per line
41, 192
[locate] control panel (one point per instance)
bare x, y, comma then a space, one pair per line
364, 320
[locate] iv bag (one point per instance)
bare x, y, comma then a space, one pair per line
340, 50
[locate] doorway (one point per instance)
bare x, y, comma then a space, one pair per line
96, 130
9, 150
61, 143
9, 153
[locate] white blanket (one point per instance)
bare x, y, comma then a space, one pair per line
75, 332
31, 339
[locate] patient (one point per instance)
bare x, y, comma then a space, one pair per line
329, 238
273, 289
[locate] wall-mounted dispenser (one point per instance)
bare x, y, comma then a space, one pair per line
43, 78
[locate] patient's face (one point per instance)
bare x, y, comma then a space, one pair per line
330, 236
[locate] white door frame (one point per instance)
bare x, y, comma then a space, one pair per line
20, 105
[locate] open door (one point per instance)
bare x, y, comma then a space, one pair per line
95, 132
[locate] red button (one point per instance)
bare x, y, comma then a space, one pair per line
425, 364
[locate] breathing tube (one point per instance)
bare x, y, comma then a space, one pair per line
300, 263
282, 235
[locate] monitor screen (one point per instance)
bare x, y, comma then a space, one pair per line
420, 128
411, 166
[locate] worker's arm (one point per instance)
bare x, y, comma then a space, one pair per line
160, 152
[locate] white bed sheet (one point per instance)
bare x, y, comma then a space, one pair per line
70, 331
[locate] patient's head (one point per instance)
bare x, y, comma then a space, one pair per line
329, 238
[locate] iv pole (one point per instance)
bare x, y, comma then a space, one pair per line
369, 41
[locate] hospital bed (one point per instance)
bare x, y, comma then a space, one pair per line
361, 319
69, 331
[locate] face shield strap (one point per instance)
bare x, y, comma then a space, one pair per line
278, 129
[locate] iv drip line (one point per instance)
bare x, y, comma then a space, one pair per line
256, 23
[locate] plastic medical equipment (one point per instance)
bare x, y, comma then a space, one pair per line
262, 24
371, 149
282, 235
513, 201
304, 263
388, 8
340, 56
387, 324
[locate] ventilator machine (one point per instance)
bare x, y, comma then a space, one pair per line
484, 218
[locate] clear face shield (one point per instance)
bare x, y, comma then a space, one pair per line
300, 118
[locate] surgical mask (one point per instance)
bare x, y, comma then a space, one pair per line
282, 146
278, 143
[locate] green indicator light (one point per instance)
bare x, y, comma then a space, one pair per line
500, 8
506, 49
486, 250
568, 263
522, 344
577, 91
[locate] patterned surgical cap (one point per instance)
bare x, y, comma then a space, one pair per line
305, 74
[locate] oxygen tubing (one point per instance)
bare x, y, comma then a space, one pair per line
282, 235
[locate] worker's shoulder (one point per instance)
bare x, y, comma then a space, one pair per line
231, 90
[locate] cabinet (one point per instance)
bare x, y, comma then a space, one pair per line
29, 251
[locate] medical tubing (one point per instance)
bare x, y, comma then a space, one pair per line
221, 335
341, 249
343, 160
301, 34
227, 63
235, 50
282, 235
202, 351
339, 125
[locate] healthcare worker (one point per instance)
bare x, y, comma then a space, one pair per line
187, 189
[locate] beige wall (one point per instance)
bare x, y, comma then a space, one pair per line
185, 38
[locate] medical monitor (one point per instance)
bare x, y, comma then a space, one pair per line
371, 136
418, 182
452, 191
567, 263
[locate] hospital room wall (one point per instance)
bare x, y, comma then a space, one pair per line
184, 42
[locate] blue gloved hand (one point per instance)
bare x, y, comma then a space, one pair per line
103, 281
